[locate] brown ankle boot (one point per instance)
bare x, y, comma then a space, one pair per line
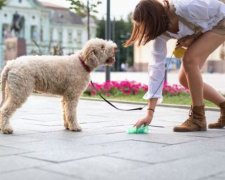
195, 122
221, 121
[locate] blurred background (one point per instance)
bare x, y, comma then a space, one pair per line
62, 27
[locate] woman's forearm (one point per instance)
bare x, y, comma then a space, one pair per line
151, 106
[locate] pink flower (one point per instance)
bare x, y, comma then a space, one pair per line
93, 93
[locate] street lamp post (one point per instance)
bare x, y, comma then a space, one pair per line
108, 36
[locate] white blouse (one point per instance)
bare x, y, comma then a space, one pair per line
203, 13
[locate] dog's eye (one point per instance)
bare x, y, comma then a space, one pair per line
95, 52
103, 47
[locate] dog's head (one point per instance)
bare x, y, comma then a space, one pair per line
97, 52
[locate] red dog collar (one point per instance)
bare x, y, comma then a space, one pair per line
84, 65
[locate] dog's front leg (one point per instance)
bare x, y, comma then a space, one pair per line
71, 114
64, 109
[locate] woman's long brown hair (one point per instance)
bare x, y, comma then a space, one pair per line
149, 21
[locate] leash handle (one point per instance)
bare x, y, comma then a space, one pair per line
135, 109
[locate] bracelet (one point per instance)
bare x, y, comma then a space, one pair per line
150, 109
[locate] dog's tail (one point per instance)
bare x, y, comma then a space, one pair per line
4, 76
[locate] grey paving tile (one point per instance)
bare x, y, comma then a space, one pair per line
38, 128
86, 133
103, 150
210, 133
42, 145
35, 174
59, 144
130, 145
158, 136
95, 168
172, 152
220, 175
12, 163
4, 151
186, 169
10, 139
67, 155
211, 178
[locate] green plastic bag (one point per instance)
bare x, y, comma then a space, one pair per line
141, 130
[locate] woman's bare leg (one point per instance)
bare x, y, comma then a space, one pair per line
209, 93
193, 60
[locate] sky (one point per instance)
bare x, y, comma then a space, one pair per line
119, 8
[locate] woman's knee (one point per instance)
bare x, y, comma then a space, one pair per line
190, 62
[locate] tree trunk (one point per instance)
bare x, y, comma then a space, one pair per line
88, 20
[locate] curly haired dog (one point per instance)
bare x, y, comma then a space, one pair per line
67, 76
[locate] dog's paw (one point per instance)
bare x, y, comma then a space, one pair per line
7, 129
76, 127
66, 125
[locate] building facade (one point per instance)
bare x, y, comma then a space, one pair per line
142, 55
47, 27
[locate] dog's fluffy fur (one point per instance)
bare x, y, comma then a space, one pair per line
61, 75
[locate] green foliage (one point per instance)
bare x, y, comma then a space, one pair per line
84, 9
121, 30
2, 3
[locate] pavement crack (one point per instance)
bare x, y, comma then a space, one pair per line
129, 159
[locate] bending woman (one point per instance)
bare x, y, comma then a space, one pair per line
198, 25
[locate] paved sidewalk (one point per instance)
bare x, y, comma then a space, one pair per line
41, 149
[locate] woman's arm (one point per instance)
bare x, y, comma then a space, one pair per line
149, 116
188, 40
156, 70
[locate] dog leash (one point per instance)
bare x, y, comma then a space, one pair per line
134, 109
140, 108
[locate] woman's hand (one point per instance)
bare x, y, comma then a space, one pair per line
185, 41
144, 121
150, 111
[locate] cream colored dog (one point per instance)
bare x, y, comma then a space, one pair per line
67, 76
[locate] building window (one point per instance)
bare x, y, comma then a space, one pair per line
33, 33
5, 31
79, 36
70, 35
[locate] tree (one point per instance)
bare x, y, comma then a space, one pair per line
2, 3
85, 9
122, 33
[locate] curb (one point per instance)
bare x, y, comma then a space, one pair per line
143, 103
134, 102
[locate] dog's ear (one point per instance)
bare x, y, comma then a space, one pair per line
90, 58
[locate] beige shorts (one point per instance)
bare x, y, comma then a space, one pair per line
219, 28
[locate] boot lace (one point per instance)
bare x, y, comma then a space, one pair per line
220, 121
189, 120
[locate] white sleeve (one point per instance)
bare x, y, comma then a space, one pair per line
156, 68
204, 13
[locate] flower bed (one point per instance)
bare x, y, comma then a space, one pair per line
123, 88
174, 90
